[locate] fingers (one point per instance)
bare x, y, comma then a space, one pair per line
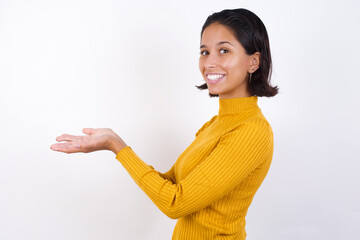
68, 147
73, 144
68, 138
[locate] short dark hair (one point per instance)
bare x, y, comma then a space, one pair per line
250, 31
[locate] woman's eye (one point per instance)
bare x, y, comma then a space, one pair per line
204, 53
222, 51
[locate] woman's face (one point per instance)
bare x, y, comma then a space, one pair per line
223, 63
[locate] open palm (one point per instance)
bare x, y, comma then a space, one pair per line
94, 140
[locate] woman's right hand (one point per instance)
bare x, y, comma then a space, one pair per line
95, 139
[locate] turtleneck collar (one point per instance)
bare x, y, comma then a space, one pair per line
236, 105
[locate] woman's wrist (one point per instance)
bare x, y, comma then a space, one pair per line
116, 144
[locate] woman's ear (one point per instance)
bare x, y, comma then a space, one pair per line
254, 62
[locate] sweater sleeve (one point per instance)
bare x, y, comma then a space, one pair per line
169, 175
236, 155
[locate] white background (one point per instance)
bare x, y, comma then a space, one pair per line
133, 66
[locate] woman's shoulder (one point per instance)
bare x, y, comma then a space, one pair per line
205, 125
252, 124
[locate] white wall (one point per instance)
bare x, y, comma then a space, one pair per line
132, 66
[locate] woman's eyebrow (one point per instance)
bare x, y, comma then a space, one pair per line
223, 42
219, 43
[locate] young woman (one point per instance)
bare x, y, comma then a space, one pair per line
211, 185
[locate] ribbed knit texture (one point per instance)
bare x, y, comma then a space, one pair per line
211, 185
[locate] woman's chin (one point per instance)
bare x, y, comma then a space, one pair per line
214, 91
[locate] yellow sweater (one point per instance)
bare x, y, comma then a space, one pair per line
212, 183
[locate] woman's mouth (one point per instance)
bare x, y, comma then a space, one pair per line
214, 78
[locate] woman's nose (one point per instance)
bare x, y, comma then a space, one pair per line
211, 61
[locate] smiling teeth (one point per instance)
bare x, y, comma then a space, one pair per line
214, 76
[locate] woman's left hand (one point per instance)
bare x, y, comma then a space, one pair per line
95, 139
